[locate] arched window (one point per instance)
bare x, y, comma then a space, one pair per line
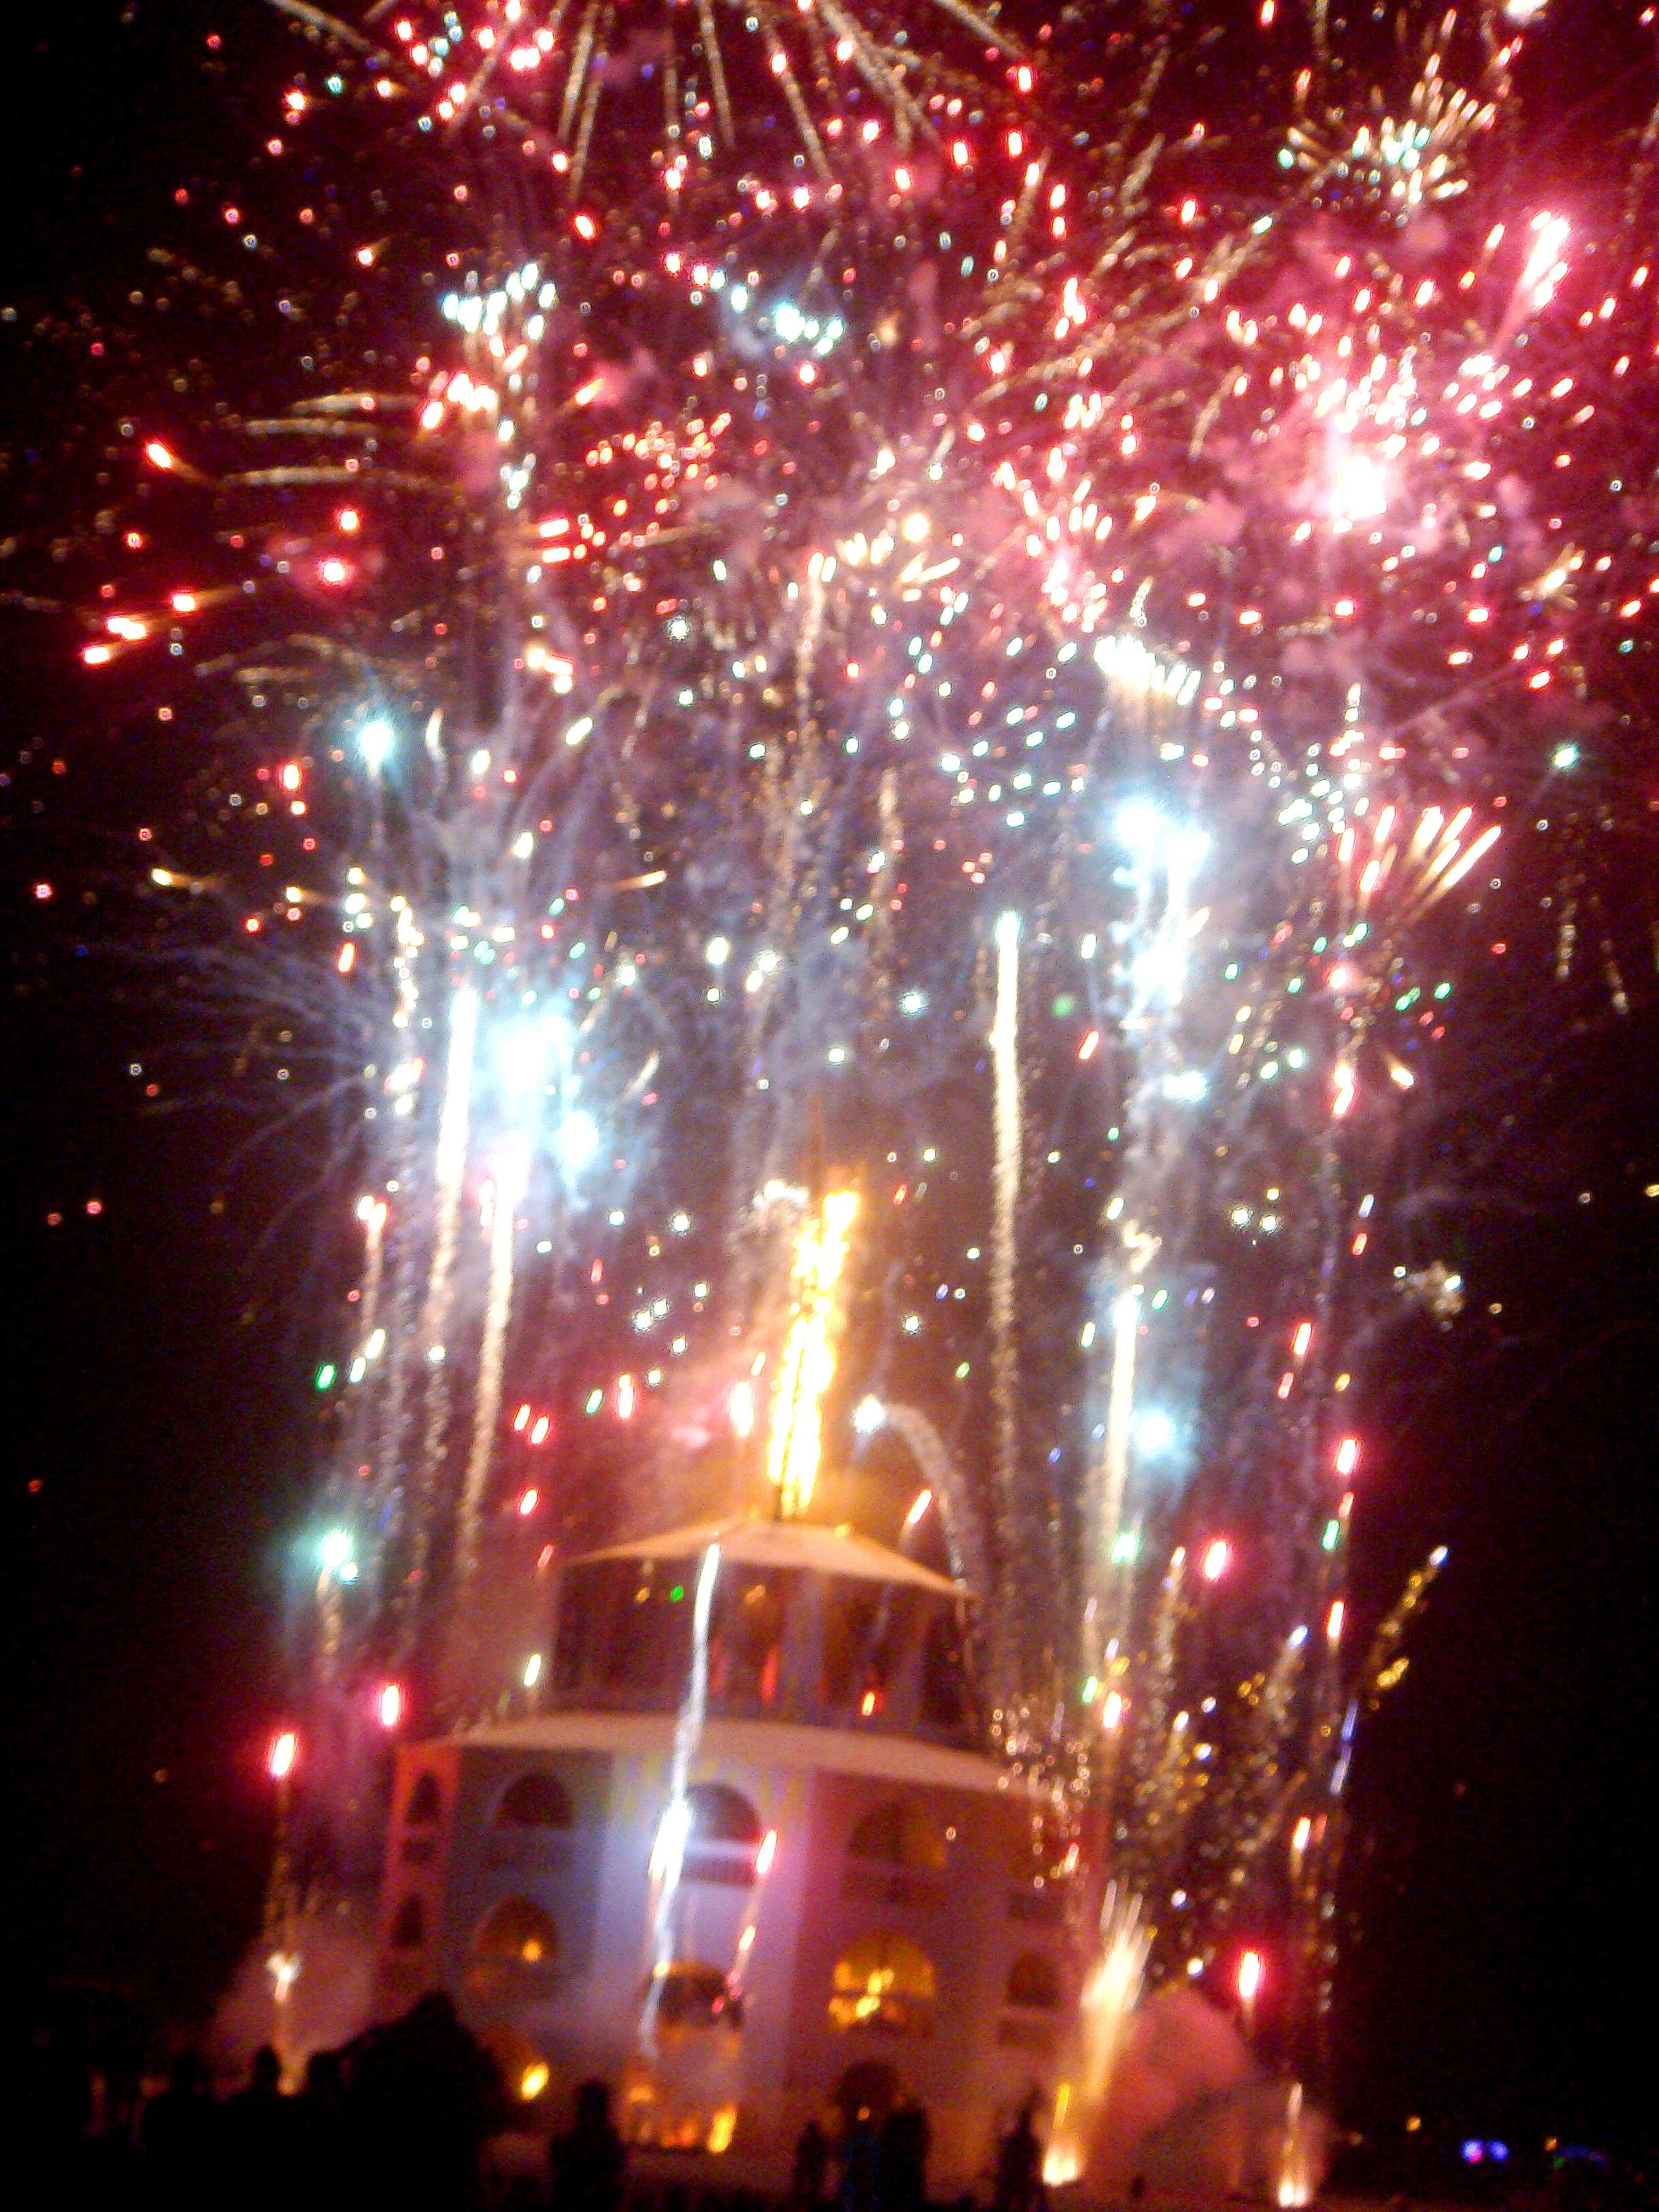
518, 1932
722, 1837
720, 1814
426, 1804
409, 1928
1034, 1983
898, 1835
883, 1982
534, 1801
691, 1995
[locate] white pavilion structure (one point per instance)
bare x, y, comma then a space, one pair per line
749, 1861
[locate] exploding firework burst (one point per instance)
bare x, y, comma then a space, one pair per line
702, 80
1014, 689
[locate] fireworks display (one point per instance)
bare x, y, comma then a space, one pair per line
1025, 608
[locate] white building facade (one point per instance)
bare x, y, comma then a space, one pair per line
806, 1893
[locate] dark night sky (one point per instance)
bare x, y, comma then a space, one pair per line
158, 1444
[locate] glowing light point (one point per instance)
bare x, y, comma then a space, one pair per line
524, 1059
284, 1750
374, 742
1216, 1559
390, 1706
868, 1416
578, 1139
334, 1552
1155, 1431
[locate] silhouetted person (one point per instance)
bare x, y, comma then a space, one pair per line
905, 2136
586, 2163
811, 2165
324, 2146
257, 2138
422, 2098
860, 2167
178, 2136
1019, 2166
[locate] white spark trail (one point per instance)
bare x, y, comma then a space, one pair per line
1019, 1564
510, 1176
958, 1511
449, 1170
668, 1853
1164, 860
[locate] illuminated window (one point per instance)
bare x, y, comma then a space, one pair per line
409, 1928
883, 1983
534, 1801
518, 1932
898, 1835
426, 1803
1034, 1983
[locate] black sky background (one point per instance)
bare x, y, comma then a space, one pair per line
1495, 1977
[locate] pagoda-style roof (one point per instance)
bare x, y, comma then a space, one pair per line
752, 1542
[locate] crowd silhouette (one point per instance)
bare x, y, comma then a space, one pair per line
402, 2115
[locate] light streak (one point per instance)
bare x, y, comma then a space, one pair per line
449, 1170
1111, 1991
1022, 1529
808, 1359
673, 1831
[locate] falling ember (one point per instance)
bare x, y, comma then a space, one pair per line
808, 1359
